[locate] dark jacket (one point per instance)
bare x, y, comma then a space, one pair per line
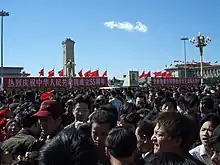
19, 143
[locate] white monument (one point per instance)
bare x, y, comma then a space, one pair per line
68, 58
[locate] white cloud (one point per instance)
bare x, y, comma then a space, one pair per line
140, 27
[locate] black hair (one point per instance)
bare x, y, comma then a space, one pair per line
121, 142
128, 108
27, 119
213, 118
70, 147
129, 94
177, 125
111, 109
209, 102
85, 128
132, 118
171, 100
146, 128
82, 99
140, 94
191, 99
113, 93
104, 117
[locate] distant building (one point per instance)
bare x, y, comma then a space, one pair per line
193, 70
14, 72
131, 79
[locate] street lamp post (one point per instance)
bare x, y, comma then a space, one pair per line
200, 42
184, 39
2, 14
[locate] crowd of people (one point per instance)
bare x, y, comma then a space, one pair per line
132, 126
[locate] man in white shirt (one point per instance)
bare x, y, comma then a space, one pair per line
203, 152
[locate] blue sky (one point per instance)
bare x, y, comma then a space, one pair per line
35, 29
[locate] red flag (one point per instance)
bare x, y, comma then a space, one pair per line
87, 74
147, 75
169, 74
51, 73
60, 73
164, 74
142, 75
104, 74
157, 74
80, 73
41, 72
95, 73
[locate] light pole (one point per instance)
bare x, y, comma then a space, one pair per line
184, 39
200, 42
2, 14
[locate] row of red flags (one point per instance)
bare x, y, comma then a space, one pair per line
89, 73
156, 74
193, 62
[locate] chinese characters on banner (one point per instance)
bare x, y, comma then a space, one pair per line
54, 82
175, 81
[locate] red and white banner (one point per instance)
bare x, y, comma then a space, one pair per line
175, 81
54, 82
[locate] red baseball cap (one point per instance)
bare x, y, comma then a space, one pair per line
49, 108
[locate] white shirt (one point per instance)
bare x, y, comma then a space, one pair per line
200, 153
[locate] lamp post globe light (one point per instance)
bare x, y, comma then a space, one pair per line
200, 42
2, 15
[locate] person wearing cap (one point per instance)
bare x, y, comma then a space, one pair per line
50, 118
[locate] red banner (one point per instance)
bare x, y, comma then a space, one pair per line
175, 81
54, 82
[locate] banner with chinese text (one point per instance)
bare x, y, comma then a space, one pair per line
174, 81
54, 82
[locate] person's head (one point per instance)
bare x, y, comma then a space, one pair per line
129, 95
12, 127
140, 100
176, 95
130, 120
171, 133
111, 109
50, 116
30, 122
102, 122
206, 105
144, 132
180, 104
214, 144
208, 124
12, 107
16, 98
30, 96
113, 93
121, 144
81, 108
191, 103
100, 101
168, 104
70, 147
69, 106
